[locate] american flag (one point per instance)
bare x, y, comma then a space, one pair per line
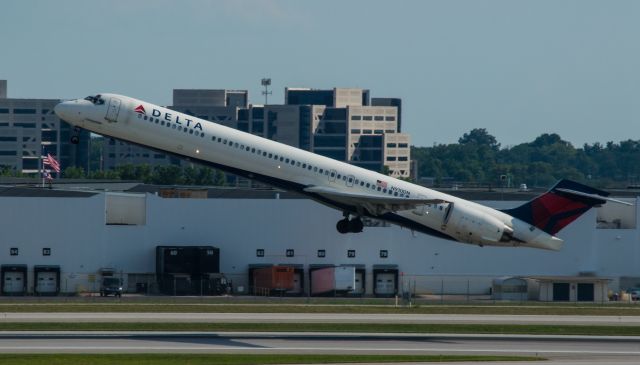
381, 184
49, 160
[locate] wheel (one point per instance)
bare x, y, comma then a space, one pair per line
355, 225
343, 226
75, 139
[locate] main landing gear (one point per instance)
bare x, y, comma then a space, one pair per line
75, 138
347, 225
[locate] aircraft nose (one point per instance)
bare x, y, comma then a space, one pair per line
64, 111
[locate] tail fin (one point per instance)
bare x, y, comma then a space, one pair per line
558, 207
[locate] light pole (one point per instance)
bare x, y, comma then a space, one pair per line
266, 83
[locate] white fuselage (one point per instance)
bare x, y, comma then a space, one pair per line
288, 167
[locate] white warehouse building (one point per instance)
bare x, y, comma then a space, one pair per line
70, 237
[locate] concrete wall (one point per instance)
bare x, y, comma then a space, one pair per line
81, 243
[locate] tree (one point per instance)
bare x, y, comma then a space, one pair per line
480, 137
73, 172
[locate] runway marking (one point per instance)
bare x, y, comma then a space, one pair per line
323, 349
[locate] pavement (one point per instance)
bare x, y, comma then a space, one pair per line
322, 318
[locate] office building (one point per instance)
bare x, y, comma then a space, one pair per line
29, 129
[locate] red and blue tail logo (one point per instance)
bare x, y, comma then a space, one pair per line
140, 109
557, 208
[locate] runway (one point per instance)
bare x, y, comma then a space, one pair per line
322, 318
577, 349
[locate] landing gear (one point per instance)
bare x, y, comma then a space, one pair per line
347, 225
75, 138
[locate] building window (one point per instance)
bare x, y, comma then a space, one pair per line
290, 252
260, 252
46, 251
384, 254
322, 253
351, 253
13, 251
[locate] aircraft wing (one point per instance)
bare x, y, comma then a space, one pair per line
375, 204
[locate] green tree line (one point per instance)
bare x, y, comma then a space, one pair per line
160, 175
478, 159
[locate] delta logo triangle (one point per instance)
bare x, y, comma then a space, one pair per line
140, 109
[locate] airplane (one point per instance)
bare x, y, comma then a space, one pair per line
355, 191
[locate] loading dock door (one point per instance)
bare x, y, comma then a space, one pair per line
561, 292
585, 292
47, 283
13, 282
385, 284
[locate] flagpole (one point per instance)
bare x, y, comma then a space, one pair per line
42, 165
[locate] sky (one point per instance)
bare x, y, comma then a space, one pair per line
517, 68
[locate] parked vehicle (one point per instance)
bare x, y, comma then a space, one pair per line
273, 279
339, 279
111, 285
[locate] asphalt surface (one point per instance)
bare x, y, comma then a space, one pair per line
322, 318
561, 349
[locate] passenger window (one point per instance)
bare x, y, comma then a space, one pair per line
332, 174
293, 162
253, 150
224, 141
157, 120
379, 188
236, 145
248, 148
315, 169
162, 123
298, 163
190, 131
185, 130
339, 176
361, 183
309, 167
368, 185
264, 153
281, 158
173, 126
304, 165
179, 128
145, 117
270, 155
287, 160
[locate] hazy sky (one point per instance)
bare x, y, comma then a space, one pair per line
517, 68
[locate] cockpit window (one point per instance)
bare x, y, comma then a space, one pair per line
97, 100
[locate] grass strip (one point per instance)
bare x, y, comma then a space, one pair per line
283, 308
330, 327
232, 359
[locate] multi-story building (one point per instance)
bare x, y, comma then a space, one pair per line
350, 129
29, 129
